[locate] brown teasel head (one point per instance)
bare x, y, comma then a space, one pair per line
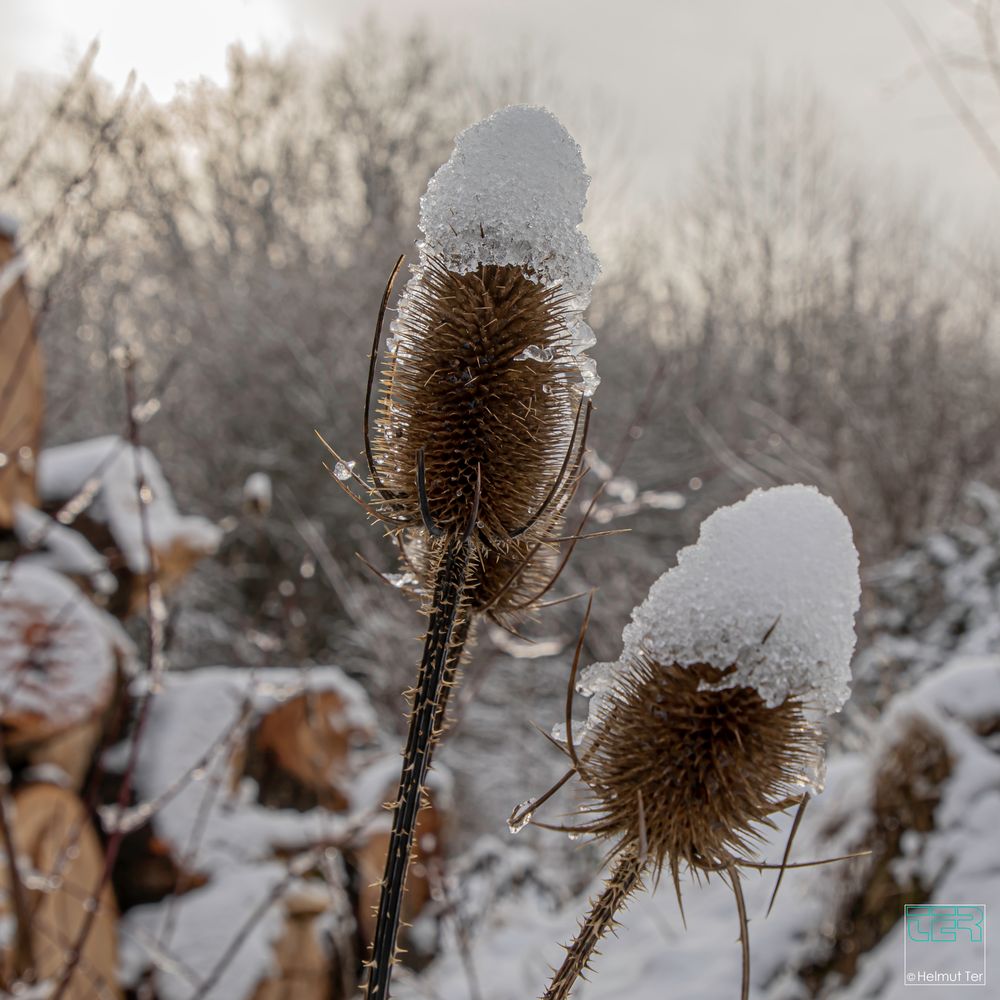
453, 393
699, 768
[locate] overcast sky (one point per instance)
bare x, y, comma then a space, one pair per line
662, 69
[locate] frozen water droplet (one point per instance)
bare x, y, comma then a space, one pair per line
574, 835
344, 470
583, 337
522, 815
535, 353
589, 379
401, 579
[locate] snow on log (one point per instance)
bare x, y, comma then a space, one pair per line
58, 654
112, 469
194, 756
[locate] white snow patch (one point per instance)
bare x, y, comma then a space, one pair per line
63, 550
512, 192
64, 471
207, 921
258, 491
780, 564
57, 650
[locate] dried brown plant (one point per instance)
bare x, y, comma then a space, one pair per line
682, 775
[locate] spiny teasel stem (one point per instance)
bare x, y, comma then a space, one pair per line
460, 636
447, 630
624, 879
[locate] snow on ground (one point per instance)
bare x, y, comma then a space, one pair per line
654, 956
113, 467
937, 600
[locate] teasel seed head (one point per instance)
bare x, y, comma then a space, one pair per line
708, 722
687, 772
486, 374
478, 401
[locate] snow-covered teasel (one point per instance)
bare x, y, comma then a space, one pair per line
705, 727
770, 589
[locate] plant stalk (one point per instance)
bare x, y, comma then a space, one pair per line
622, 882
447, 630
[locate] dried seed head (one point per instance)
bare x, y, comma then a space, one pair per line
699, 767
481, 385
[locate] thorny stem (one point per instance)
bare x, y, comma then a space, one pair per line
622, 882
438, 665
452, 670
741, 910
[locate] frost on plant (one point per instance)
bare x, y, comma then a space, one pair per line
780, 564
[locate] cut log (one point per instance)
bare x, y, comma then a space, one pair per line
59, 655
45, 821
299, 754
21, 387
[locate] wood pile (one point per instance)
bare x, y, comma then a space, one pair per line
245, 855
